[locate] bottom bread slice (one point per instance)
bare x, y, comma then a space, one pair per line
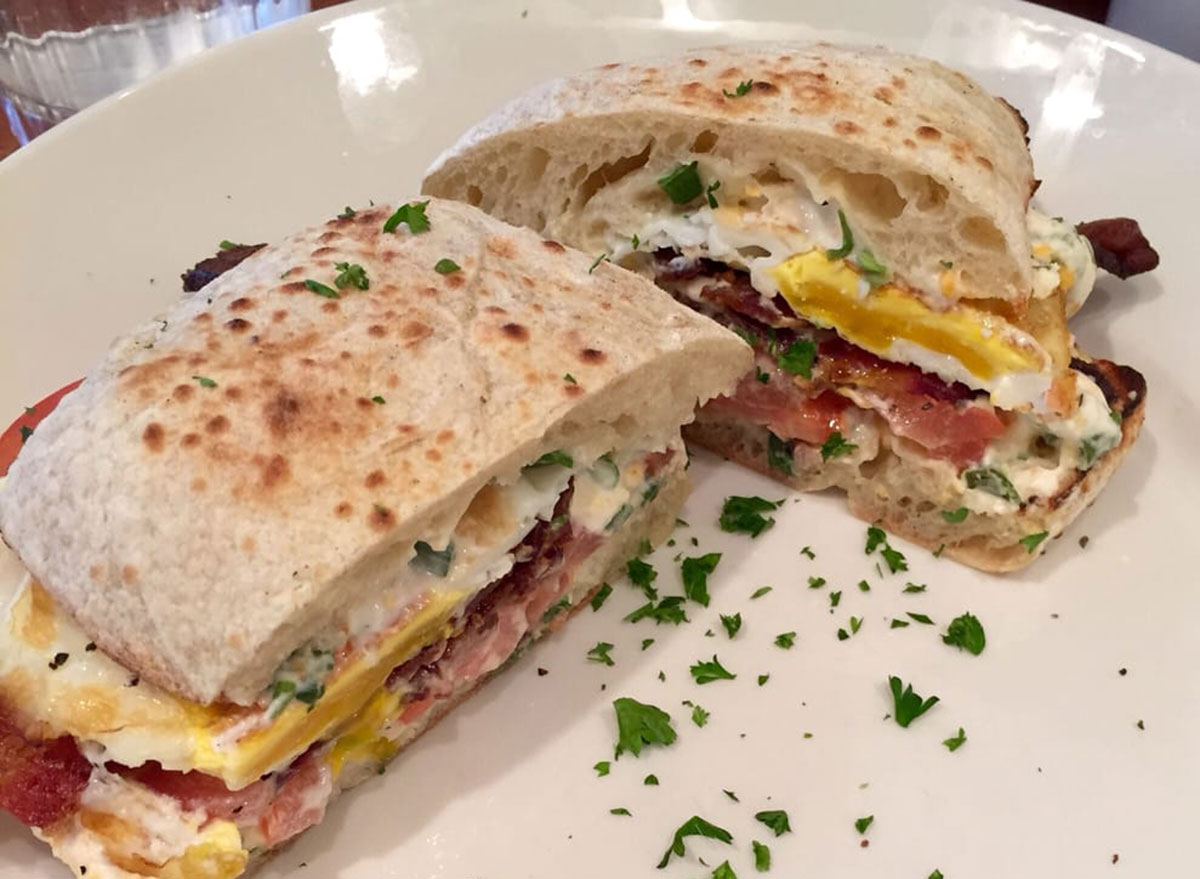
129, 818
893, 489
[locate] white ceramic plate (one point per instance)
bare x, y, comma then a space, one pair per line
100, 216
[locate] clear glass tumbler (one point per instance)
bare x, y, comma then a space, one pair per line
59, 56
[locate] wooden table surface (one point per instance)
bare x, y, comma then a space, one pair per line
1093, 9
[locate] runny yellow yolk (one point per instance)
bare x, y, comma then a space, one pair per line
826, 292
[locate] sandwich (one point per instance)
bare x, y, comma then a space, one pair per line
862, 219
279, 531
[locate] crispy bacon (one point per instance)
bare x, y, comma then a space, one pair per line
208, 270
1120, 246
40, 781
195, 791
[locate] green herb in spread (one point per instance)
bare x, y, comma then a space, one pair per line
446, 266
411, 215
798, 358
600, 653
682, 184
596, 262
776, 819
780, 453
555, 458
695, 573
966, 633
836, 446
707, 672
870, 264
955, 516
992, 481
732, 623
847, 240
322, 289
955, 741
694, 826
432, 561
639, 725
1032, 541
907, 705
744, 515
710, 193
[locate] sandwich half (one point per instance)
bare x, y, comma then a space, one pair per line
280, 530
862, 218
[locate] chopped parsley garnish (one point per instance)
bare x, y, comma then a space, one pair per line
748, 337
600, 653
776, 819
378, 400
744, 515
743, 89
836, 446
966, 633
855, 625
762, 376
601, 596
908, 706
557, 458
816, 582
760, 592
682, 184
446, 266
347, 214
639, 725
807, 551
322, 289
602, 768
699, 715
900, 624
861, 824
955, 741
731, 795
992, 481
555, 609
26, 433
787, 640
635, 242
709, 193
724, 871
411, 215
936, 874
1116, 416
762, 679
230, 245
351, 274
310, 692
798, 358
650, 780
205, 381
835, 598
620, 810
946, 263
596, 262
694, 826
780, 453
847, 240
1032, 541
707, 672
870, 264
642, 575
732, 623
912, 588
762, 856
955, 516
920, 618
432, 561
695, 573
864, 586
877, 538
619, 517
282, 693
669, 610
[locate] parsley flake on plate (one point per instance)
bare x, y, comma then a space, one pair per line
411, 215
348, 213
787, 640
900, 624
864, 586
650, 780
966, 633
762, 679
639, 725
955, 741
836, 446
1032, 541
669, 610
620, 810
743, 89
936, 874
694, 826
920, 618
602, 768
724, 871
695, 573
732, 623
861, 824
230, 245
807, 551
731, 795
912, 588
682, 184
762, 856
760, 592
600, 653
776, 819
907, 705
642, 575
601, 596
835, 598
743, 515
699, 715
816, 582
646, 642
707, 672
446, 266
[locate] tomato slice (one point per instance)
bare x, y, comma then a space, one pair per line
13, 438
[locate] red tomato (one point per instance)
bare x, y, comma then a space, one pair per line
12, 440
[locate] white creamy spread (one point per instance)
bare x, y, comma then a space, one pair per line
1061, 257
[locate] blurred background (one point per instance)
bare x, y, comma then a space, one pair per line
59, 56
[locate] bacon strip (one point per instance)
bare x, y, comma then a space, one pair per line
1120, 247
40, 781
